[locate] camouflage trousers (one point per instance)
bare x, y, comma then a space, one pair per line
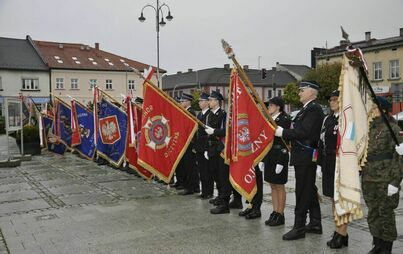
381, 214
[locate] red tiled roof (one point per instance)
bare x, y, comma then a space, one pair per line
79, 56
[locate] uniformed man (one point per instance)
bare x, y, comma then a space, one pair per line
186, 171
381, 178
304, 137
220, 171
207, 182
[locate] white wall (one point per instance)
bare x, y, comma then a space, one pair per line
12, 83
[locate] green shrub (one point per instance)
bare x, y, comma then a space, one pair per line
31, 134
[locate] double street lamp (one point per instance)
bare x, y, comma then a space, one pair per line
158, 13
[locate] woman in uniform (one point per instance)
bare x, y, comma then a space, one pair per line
276, 163
327, 164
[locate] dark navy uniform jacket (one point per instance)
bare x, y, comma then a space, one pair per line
201, 135
304, 134
217, 122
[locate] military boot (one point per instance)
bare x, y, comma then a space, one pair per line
377, 245
386, 247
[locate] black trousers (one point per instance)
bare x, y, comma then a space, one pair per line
190, 176
207, 182
213, 169
258, 198
305, 190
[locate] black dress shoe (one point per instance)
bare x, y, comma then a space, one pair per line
294, 234
277, 220
331, 240
377, 242
207, 197
201, 196
235, 205
254, 214
180, 187
196, 190
338, 241
186, 192
211, 201
272, 215
221, 209
314, 228
245, 212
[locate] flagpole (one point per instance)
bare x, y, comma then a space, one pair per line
169, 98
374, 99
231, 55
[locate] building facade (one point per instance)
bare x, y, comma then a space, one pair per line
22, 71
384, 58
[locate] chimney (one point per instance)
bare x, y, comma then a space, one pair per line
246, 67
401, 31
190, 70
179, 72
226, 66
96, 45
367, 36
60, 46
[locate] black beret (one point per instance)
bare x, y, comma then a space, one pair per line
384, 103
204, 96
186, 97
335, 93
278, 101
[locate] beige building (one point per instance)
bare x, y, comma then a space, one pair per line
384, 58
75, 68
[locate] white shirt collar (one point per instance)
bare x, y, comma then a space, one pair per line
205, 110
336, 114
274, 117
215, 111
307, 103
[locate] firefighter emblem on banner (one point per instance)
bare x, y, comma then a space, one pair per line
157, 133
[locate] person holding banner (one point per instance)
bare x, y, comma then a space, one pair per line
186, 171
200, 146
216, 130
381, 179
326, 164
304, 137
276, 163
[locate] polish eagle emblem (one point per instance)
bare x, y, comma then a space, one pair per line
109, 130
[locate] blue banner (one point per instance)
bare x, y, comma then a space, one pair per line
63, 121
85, 119
52, 141
112, 125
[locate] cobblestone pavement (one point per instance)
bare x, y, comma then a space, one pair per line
65, 204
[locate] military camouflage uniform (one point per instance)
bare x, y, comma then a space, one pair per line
383, 168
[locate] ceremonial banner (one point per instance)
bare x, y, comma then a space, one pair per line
51, 140
133, 135
355, 115
63, 122
75, 136
84, 121
249, 137
165, 134
111, 137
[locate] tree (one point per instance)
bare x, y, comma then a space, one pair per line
291, 94
327, 75
195, 103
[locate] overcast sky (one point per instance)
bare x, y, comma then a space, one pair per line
277, 30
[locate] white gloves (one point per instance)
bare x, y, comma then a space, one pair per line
209, 130
279, 131
319, 171
279, 168
392, 190
206, 155
261, 166
399, 149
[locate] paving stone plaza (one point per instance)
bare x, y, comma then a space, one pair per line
65, 204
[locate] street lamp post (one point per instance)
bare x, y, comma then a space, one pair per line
158, 23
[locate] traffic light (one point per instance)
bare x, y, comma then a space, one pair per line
264, 73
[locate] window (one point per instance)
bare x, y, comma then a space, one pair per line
93, 82
269, 95
74, 83
377, 70
130, 84
279, 93
394, 69
30, 84
108, 84
59, 83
